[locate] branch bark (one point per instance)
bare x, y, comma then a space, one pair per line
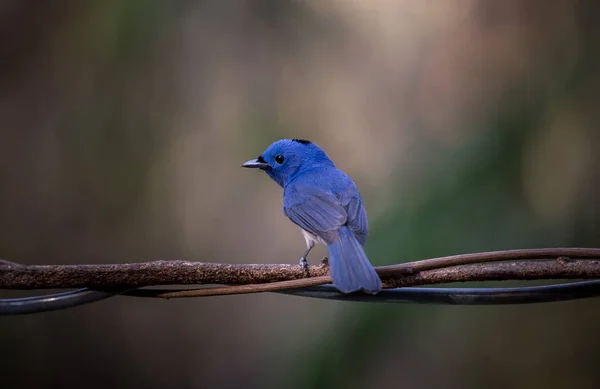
529, 270
559, 263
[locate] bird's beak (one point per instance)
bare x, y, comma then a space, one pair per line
256, 164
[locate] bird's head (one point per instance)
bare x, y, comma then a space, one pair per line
286, 158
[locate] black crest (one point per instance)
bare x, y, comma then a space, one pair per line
303, 141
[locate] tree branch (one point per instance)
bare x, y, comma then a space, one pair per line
529, 270
146, 273
461, 268
104, 281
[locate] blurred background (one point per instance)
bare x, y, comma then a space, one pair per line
468, 125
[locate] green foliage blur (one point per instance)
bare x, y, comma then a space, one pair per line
467, 125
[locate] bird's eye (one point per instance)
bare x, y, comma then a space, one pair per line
279, 159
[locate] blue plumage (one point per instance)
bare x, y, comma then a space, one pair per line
325, 203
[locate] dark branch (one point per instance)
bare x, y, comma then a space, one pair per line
147, 273
277, 277
104, 281
411, 295
526, 270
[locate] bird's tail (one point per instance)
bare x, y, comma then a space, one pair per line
349, 266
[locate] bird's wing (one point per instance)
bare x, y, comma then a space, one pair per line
315, 210
357, 218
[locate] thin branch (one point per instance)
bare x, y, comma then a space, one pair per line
494, 256
525, 270
411, 295
459, 296
437, 270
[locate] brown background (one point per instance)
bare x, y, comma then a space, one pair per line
468, 125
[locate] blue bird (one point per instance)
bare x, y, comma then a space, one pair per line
325, 203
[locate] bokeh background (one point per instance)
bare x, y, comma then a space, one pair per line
468, 125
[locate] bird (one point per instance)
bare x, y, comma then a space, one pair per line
325, 203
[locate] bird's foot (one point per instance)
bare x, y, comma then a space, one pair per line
304, 264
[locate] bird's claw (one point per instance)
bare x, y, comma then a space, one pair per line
304, 264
